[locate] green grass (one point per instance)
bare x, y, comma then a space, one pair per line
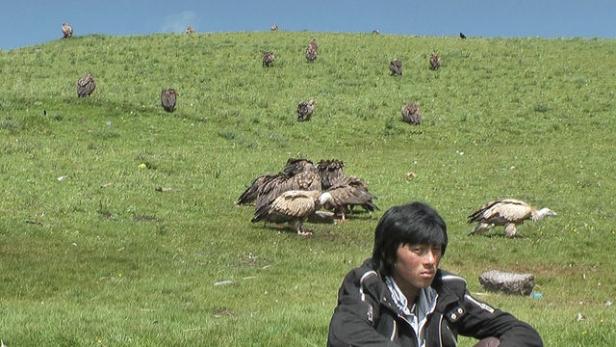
100, 257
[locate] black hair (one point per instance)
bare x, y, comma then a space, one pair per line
413, 223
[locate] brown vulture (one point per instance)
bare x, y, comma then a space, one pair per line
395, 67
305, 109
250, 194
268, 59
313, 44
508, 213
67, 31
311, 54
293, 207
410, 113
346, 193
274, 27
330, 171
85, 85
435, 61
168, 98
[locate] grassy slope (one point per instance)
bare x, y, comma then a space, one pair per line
101, 258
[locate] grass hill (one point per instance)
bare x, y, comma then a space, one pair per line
92, 254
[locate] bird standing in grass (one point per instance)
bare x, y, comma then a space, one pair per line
506, 212
168, 98
410, 113
293, 207
268, 59
395, 67
85, 85
67, 31
305, 110
435, 61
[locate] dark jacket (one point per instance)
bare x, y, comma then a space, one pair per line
367, 316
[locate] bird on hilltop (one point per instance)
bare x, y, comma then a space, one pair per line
189, 29
395, 67
85, 85
508, 213
293, 207
410, 113
67, 31
462, 36
274, 27
305, 110
168, 98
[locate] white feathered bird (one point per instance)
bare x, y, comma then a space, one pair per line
506, 212
293, 207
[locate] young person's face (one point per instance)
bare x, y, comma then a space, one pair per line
416, 265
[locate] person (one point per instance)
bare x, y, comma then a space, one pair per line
400, 297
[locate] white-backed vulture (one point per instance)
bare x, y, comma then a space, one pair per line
508, 213
311, 54
268, 59
345, 194
395, 67
85, 85
250, 194
410, 113
293, 207
435, 61
305, 110
67, 31
168, 99
330, 171
298, 174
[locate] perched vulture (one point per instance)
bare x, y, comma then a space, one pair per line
293, 207
508, 213
85, 85
346, 193
435, 61
311, 54
395, 66
268, 59
274, 27
313, 44
67, 30
250, 194
168, 99
330, 171
298, 174
410, 113
305, 109
189, 29
375, 32
462, 36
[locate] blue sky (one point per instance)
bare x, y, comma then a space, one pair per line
28, 22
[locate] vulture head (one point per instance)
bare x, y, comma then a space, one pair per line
305, 110
268, 59
85, 85
395, 67
410, 113
435, 61
67, 30
542, 213
168, 98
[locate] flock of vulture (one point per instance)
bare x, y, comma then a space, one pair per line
304, 192
323, 193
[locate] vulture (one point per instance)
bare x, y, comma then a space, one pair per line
435, 61
346, 193
330, 171
298, 174
274, 27
508, 213
168, 99
67, 30
395, 66
305, 109
268, 59
311, 54
410, 113
250, 194
462, 36
189, 29
293, 207
85, 85
313, 44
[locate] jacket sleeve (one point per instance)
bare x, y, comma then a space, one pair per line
479, 320
352, 323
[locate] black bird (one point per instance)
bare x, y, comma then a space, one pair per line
168, 99
462, 36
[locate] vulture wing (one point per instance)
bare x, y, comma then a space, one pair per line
348, 195
250, 194
308, 179
501, 211
294, 204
